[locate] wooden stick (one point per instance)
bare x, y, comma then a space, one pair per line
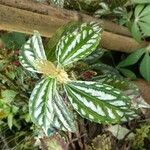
120, 43
31, 17
144, 88
63, 14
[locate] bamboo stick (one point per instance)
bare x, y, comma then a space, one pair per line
63, 14
120, 43
144, 88
19, 20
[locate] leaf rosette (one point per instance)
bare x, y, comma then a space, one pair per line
95, 101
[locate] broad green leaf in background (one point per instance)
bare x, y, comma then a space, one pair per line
32, 50
138, 10
100, 103
132, 58
127, 73
79, 44
13, 40
145, 66
145, 27
145, 13
141, 21
136, 32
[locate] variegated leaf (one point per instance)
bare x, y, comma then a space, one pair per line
95, 56
114, 80
31, 51
128, 88
99, 102
63, 119
104, 69
41, 104
53, 41
47, 108
78, 44
58, 3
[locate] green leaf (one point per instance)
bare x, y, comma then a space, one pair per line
141, 22
146, 11
14, 109
78, 44
13, 40
132, 58
10, 120
47, 109
144, 67
127, 73
145, 27
114, 80
100, 103
138, 10
104, 69
11, 74
95, 56
146, 19
32, 50
136, 31
141, 1
8, 95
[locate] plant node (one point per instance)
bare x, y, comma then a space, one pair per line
49, 69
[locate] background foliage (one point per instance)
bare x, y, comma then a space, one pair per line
17, 131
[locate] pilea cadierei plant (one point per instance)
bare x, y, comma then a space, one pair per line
94, 101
